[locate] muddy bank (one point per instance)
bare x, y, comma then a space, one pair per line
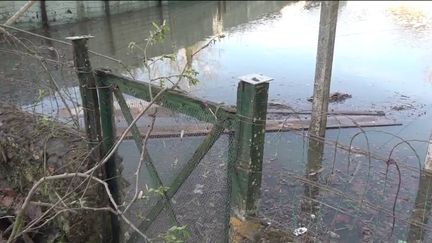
32, 147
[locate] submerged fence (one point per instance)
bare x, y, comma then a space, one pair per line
341, 186
346, 187
245, 125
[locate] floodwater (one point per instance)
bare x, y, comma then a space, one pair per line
382, 58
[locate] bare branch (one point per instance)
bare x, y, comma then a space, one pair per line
20, 216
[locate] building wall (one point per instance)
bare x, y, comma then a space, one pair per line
62, 12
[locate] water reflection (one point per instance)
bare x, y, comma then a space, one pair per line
189, 23
109, 32
376, 55
372, 50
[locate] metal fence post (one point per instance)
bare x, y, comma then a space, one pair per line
94, 116
87, 86
112, 172
252, 95
230, 206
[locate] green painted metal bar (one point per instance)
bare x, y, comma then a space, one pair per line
129, 118
252, 96
108, 140
92, 123
199, 154
175, 100
201, 151
148, 161
232, 158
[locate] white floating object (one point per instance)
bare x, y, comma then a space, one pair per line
333, 235
198, 189
175, 162
300, 231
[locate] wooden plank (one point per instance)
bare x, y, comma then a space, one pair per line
136, 107
330, 113
201, 151
175, 100
202, 129
333, 122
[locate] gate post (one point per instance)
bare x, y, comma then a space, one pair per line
87, 86
252, 95
94, 116
112, 172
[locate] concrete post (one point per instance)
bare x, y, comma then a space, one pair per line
324, 61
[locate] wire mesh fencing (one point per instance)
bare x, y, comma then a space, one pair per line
347, 187
353, 185
197, 208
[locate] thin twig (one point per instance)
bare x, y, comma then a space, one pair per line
20, 215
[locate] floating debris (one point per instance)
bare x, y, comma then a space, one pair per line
316, 172
300, 231
336, 97
198, 189
333, 235
402, 107
277, 105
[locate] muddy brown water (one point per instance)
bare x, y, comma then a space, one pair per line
382, 59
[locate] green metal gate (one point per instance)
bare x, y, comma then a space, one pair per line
245, 126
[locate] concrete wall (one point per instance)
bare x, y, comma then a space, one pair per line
62, 12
